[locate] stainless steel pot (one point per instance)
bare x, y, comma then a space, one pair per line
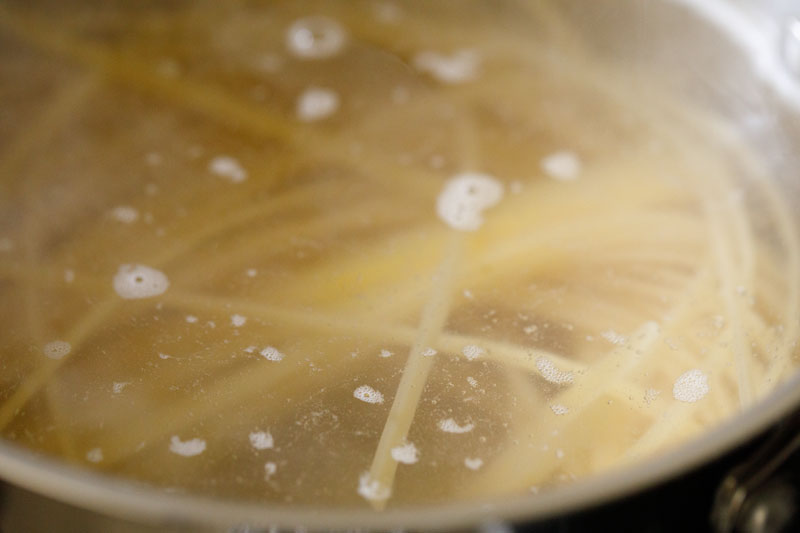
740, 59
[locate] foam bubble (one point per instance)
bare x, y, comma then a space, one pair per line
472, 351
458, 67
118, 386
367, 394
95, 455
227, 167
371, 489
139, 281
125, 214
191, 319
406, 454
272, 354
269, 469
464, 198
691, 386
559, 409
613, 337
315, 37
316, 104
551, 373
238, 321
385, 354
562, 166
429, 352
473, 463
187, 448
448, 425
472, 381
57, 349
261, 440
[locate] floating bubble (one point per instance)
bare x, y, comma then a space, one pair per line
125, 214
316, 104
563, 165
371, 489
238, 321
367, 394
473, 463
464, 198
429, 352
139, 281
187, 448
271, 353
57, 349
315, 37
472, 352
406, 454
448, 425
458, 67
227, 167
261, 440
691, 386
559, 409
551, 373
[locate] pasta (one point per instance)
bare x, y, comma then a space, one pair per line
295, 318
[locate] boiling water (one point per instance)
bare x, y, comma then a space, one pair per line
367, 253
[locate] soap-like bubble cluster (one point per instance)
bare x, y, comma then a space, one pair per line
367, 394
315, 37
139, 281
316, 103
465, 197
406, 453
187, 448
458, 67
562, 166
57, 349
691, 386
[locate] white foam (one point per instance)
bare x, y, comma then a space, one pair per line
448, 425
57, 349
118, 386
271, 353
406, 454
651, 395
315, 37
191, 319
563, 165
472, 381
95, 455
261, 440
472, 351
551, 373
691, 386
559, 409
316, 103
385, 354
251, 272
187, 448
473, 463
371, 489
269, 469
139, 281
429, 352
613, 337
238, 321
459, 67
367, 394
465, 197
125, 214
227, 167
